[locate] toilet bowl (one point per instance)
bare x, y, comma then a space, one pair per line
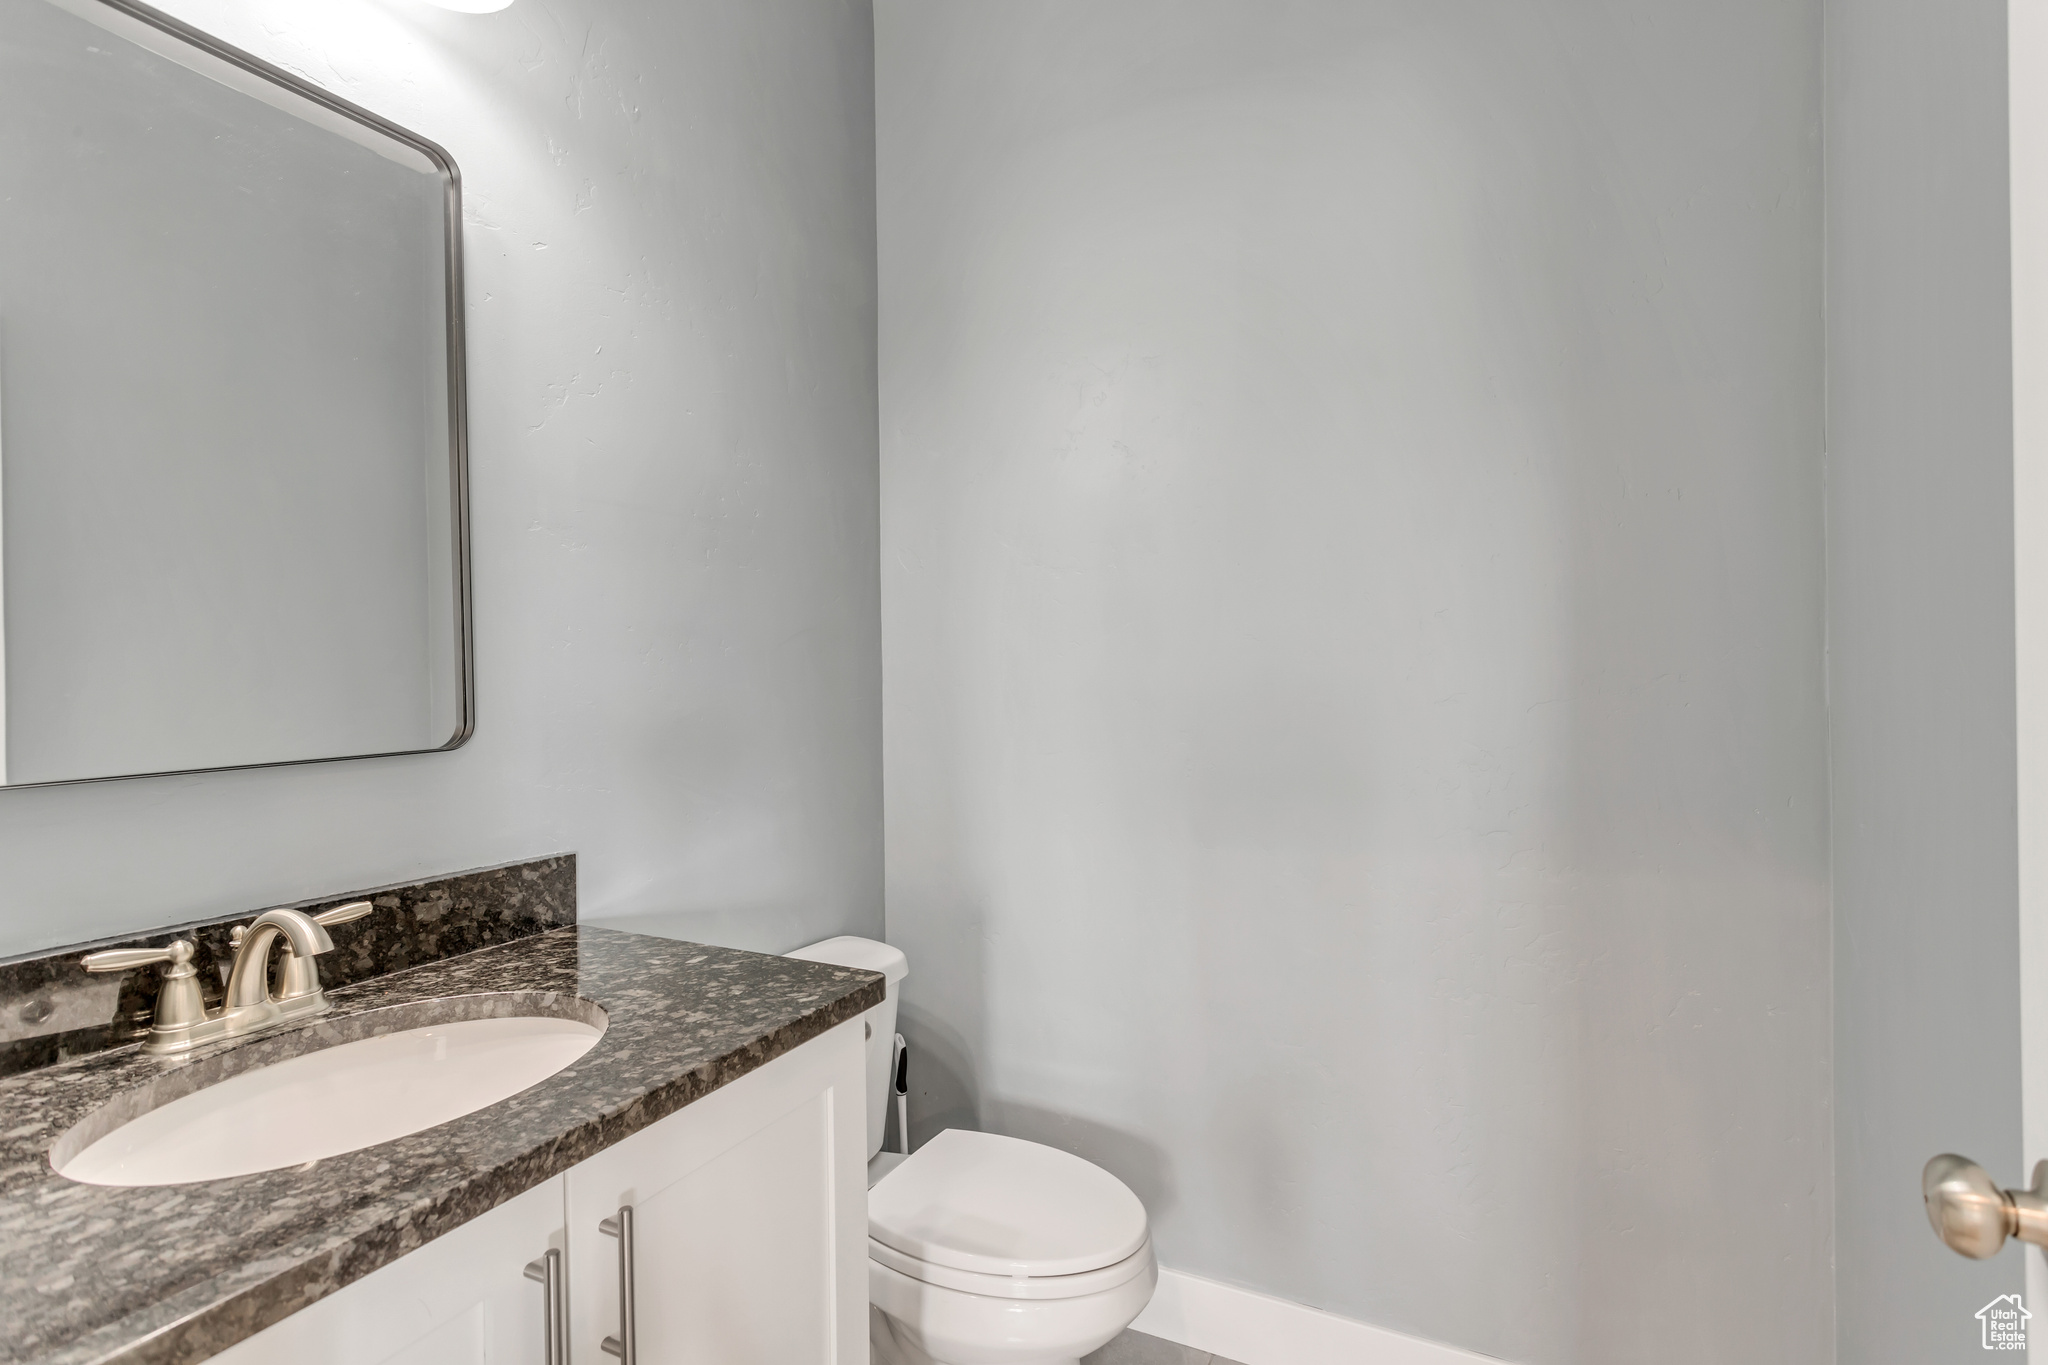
917, 1324
985, 1249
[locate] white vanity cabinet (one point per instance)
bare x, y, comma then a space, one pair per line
747, 1246
749, 1221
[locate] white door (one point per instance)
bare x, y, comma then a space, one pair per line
2027, 56
748, 1223
463, 1299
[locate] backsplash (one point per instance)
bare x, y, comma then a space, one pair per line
51, 1008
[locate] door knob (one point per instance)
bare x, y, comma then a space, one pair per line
1973, 1215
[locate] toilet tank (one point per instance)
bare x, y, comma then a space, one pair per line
869, 955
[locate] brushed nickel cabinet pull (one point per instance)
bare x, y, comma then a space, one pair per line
554, 1319
621, 1227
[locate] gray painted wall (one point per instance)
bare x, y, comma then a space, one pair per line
1920, 623
671, 285
1352, 578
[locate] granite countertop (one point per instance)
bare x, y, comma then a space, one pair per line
145, 1276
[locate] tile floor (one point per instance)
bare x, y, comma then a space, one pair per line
1135, 1348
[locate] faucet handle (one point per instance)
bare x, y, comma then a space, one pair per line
127, 959
179, 1005
344, 914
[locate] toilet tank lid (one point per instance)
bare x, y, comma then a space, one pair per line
865, 953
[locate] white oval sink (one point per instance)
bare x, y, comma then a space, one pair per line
337, 1100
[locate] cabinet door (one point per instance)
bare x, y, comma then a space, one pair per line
749, 1222
462, 1299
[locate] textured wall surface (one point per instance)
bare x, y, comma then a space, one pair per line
671, 291
1352, 565
1920, 658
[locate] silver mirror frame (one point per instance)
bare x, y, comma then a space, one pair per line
458, 400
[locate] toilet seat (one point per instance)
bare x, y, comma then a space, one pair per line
1014, 1286
1002, 1209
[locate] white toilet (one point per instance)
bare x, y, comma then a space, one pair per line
987, 1250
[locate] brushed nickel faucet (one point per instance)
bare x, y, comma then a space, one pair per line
256, 1002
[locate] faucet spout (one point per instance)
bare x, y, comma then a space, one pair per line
249, 978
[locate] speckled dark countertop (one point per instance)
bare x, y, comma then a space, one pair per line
177, 1273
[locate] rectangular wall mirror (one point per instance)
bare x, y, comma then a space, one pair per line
232, 482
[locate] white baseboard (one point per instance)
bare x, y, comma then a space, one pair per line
1257, 1329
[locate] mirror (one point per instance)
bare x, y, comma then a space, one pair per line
232, 487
